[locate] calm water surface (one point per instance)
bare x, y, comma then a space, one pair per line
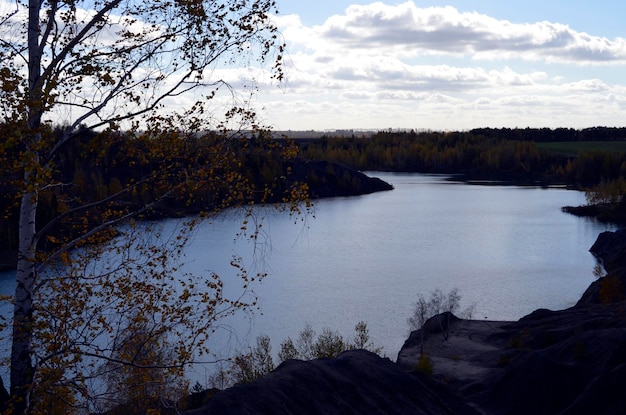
509, 250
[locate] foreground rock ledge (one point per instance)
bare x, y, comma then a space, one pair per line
549, 362
356, 382
564, 362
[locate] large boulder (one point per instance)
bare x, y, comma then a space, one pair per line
610, 249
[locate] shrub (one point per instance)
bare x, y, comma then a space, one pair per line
424, 365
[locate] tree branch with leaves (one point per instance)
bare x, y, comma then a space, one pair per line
119, 67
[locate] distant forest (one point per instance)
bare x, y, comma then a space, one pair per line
579, 158
592, 159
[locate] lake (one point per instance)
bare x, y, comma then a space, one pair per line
508, 249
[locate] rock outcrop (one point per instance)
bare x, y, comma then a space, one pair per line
569, 361
549, 362
610, 248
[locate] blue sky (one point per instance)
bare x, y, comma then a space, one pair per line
449, 65
601, 16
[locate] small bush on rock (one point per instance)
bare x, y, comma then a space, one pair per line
424, 365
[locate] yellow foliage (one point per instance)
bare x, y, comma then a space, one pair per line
84, 308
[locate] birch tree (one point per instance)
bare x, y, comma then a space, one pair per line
152, 70
439, 305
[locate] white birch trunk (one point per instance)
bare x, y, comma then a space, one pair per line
22, 371
21, 354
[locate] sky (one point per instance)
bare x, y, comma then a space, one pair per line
449, 65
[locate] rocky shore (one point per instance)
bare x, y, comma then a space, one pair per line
565, 362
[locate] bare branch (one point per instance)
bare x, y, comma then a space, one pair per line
97, 18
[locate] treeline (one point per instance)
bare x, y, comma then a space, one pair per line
540, 135
518, 156
473, 154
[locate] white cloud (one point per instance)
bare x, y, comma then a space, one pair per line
588, 85
382, 28
380, 66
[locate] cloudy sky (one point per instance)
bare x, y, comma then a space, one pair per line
450, 65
